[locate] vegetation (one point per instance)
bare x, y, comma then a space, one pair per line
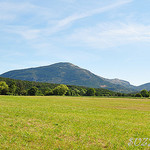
3, 88
91, 92
24, 88
33, 91
145, 93
19, 87
73, 123
138, 95
60, 90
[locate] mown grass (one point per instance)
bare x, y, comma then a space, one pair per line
72, 122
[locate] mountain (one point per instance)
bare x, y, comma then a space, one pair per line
67, 73
121, 82
144, 86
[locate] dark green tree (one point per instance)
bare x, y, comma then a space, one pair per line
71, 92
23, 92
91, 92
32, 91
83, 92
17, 91
138, 95
144, 93
98, 93
76, 92
48, 92
118, 94
12, 87
21, 84
68, 93
39, 93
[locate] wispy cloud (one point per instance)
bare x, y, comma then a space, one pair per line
108, 35
11, 10
62, 24
92, 36
23, 31
75, 17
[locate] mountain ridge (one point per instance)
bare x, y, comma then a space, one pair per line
70, 74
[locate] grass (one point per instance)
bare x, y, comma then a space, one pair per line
73, 123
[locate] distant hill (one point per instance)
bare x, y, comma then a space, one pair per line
144, 86
121, 82
67, 73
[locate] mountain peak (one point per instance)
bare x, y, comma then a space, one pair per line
70, 74
63, 64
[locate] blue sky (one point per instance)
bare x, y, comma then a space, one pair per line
111, 38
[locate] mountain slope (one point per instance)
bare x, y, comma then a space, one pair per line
67, 73
144, 86
122, 83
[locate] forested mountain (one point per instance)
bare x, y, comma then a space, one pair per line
69, 74
144, 86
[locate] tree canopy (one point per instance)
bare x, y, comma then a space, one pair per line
19, 87
60, 90
32, 91
91, 92
3, 88
144, 93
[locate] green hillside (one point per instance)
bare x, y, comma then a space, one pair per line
69, 74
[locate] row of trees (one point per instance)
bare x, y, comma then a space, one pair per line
41, 89
143, 93
62, 89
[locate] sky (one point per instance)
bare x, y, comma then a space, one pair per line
110, 38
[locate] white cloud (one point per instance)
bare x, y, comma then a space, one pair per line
109, 35
23, 31
10, 10
62, 24
90, 13
8, 17
91, 36
15, 7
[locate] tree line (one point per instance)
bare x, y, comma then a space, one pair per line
14, 89
30, 88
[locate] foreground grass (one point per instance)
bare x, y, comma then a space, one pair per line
73, 123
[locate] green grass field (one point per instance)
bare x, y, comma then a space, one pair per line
73, 123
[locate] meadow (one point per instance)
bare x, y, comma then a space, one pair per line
58, 123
